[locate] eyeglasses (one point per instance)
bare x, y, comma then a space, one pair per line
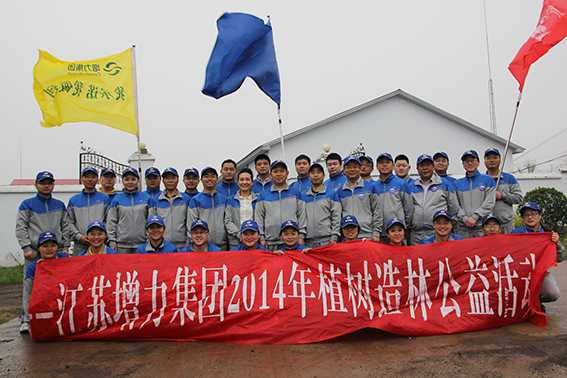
529, 214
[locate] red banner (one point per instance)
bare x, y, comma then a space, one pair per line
259, 298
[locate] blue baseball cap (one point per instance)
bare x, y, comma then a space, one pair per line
191, 170
348, 220
442, 213
350, 158
490, 216
171, 170
45, 236
441, 154
131, 170
96, 224
249, 225
107, 171
367, 158
208, 169
316, 165
393, 221
201, 223
386, 155
152, 171
89, 169
44, 175
289, 223
493, 150
277, 162
529, 205
423, 157
155, 219
469, 153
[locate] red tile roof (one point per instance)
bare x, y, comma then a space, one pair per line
57, 182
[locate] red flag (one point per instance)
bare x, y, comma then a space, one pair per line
551, 29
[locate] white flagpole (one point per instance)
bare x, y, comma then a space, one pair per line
508, 141
491, 105
281, 133
135, 81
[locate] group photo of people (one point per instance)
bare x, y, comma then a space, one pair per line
236, 209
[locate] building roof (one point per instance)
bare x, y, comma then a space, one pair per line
264, 148
20, 182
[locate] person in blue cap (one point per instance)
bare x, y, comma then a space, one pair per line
290, 238
191, 182
83, 208
302, 163
240, 206
155, 227
47, 245
336, 176
249, 236
96, 233
153, 182
200, 239
228, 185
263, 180
491, 225
350, 228
477, 195
107, 182
531, 214
366, 168
443, 224
508, 192
127, 215
209, 206
396, 231
441, 165
172, 206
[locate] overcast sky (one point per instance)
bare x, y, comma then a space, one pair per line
332, 56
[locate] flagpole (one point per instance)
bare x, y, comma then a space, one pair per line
281, 132
508, 141
135, 82
491, 104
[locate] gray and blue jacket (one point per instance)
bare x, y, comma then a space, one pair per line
323, 215
336, 182
210, 248
84, 208
232, 221
362, 202
173, 210
477, 196
227, 189
258, 186
164, 247
303, 184
395, 200
105, 251
511, 195
560, 248
39, 214
210, 208
126, 221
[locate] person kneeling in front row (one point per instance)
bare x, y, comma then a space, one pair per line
289, 233
155, 227
442, 224
249, 236
96, 235
200, 238
396, 232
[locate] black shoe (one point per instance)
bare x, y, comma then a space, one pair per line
543, 308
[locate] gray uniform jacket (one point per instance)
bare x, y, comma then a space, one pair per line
511, 195
210, 208
395, 199
477, 196
127, 217
323, 215
232, 221
275, 207
173, 210
84, 208
362, 202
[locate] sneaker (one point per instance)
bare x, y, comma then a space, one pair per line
543, 308
25, 327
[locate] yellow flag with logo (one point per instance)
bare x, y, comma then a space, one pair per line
99, 91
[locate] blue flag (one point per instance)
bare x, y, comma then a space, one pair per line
244, 48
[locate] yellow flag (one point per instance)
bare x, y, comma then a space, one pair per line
99, 91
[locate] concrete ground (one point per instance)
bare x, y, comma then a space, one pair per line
520, 350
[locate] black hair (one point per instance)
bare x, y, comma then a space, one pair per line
334, 156
228, 161
262, 157
245, 170
303, 157
401, 157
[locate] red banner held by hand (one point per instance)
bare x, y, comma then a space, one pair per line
258, 297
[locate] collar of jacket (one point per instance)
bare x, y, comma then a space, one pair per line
274, 189
164, 196
337, 176
253, 196
359, 184
44, 199
310, 191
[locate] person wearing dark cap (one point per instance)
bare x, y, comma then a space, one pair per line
531, 214
491, 225
127, 215
200, 239
443, 224
47, 245
350, 228
96, 232
366, 168
402, 168
263, 180
228, 186
153, 182
191, 182
278, 204
249, 236
393, 193
430, 193
289, 233
240, 207
396, 231
322, 210
336, 176
477, 195
107, 182
441, 164
209, 206
302, 163
508, 192
172, 206
358, 198
155, 227
83, 208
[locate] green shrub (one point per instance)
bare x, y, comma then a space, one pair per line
553, 204
12, 274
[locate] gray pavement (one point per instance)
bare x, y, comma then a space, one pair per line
520, 350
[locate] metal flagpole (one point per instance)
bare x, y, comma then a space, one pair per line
135, 81
508, 141
491, 105
281, 133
